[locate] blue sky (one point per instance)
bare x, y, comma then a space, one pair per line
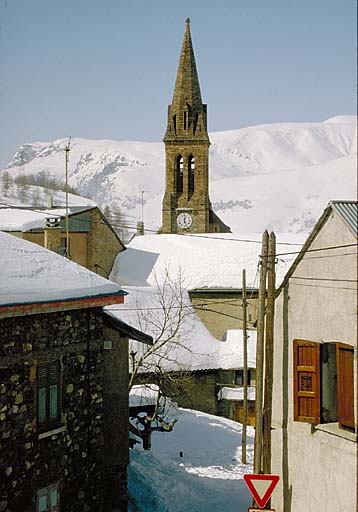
106, 68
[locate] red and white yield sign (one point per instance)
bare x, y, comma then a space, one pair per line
261, 487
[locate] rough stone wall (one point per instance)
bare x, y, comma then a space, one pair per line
73, 455
78, 244
102, 246
199, 393
52, 238
116, 414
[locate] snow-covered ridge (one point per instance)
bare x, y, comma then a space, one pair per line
277, 176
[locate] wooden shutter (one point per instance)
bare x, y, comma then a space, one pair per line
345, 386
48, 383
53, 381
42, 393
306, 381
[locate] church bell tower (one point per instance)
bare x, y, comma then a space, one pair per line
186, 203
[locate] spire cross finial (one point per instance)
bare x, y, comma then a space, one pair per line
187, 21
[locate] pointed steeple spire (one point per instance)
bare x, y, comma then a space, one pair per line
187, 114
187, 88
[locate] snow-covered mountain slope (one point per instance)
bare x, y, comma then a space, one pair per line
276, 176
37, 196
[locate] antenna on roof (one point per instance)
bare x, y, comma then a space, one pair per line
67, 158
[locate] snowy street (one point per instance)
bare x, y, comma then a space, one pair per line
209, 475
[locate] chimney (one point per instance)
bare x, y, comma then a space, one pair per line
140, 228
49, 201
52, 234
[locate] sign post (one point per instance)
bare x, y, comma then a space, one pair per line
261, 488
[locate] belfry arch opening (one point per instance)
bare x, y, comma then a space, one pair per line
191, 176
179, 171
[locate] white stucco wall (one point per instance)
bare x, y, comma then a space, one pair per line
318, 469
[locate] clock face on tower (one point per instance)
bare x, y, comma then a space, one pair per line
184, 220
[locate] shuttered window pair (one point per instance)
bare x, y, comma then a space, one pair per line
323, 383
48, 396
48, 499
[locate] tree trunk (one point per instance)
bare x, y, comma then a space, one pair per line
147, 438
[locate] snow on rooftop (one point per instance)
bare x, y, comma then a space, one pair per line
196, 348
20, 219
30, 273
236, 394
143, 394
205, 261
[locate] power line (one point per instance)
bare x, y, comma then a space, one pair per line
150, 230
319, 249
206, 236
320, 257
325, 279
329, 287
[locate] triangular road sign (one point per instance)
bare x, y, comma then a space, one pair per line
261, 487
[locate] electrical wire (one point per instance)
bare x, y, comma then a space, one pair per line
209, 237
325, 279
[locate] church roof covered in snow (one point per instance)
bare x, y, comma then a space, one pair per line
204, 261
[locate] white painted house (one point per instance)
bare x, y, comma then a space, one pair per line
314, 436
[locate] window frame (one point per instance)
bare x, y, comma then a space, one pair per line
47, 491
48, 382
344, 373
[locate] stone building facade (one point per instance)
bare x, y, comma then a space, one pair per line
63, 385
186, 203
63, 460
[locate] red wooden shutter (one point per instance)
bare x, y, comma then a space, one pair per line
306, 381
345, 386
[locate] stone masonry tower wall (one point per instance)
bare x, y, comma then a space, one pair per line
186, 203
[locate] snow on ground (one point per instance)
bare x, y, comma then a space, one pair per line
209, 476
30, 273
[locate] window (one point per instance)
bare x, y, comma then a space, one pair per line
185, 120
179, 174
239, 377
63, 246
48, 396
191, 166
323, 383
48, 498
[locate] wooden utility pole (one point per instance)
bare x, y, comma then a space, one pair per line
260, 354
67, 158
244, 328
269, 348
